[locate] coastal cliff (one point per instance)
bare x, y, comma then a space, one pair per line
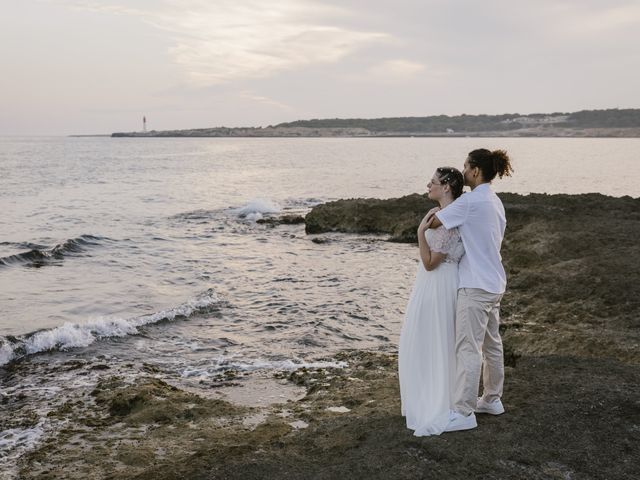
586, 123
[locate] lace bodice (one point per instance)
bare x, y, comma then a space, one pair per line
446, 241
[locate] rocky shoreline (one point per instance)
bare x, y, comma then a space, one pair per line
567, 417
571, 326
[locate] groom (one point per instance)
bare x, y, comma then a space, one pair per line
480, 219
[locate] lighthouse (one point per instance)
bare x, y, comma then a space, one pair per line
144, 124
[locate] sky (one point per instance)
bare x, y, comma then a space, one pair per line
91, 67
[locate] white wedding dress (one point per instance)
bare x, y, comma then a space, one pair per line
426, 363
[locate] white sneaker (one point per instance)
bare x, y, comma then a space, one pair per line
492, 408
457, 422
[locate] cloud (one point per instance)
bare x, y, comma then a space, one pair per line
397, 70
96, 7
248, 95
221, 41
606, 19
588, 20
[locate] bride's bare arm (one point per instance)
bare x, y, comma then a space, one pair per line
429, 258
432, 220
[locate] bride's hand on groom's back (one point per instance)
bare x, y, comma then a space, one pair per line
430, 215
432, 212
428, 218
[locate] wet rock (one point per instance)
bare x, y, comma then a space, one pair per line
282, 220
151, 400
320, 240
73, 364
395, 217
150, 368
100, 366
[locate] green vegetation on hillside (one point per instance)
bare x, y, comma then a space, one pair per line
611, 118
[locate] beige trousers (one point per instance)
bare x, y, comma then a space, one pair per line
478, 348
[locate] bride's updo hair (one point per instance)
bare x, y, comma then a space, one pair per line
452, 177
491, 163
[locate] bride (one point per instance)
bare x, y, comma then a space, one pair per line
426, 363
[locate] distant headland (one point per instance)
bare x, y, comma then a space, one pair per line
586, 123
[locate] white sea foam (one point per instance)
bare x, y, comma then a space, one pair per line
19, 437
6, 354
256, 208
67, 336
72, 335
298, 424
254, 216
14, 442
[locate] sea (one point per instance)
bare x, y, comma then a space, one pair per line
146, 254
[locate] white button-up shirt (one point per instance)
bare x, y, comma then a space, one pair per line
479, 216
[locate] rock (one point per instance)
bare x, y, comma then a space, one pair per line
397, 217
282, 220
151, 400
320, 240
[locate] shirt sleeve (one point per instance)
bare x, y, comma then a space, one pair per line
455, 214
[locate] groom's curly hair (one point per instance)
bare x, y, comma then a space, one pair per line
491, 163
452, 177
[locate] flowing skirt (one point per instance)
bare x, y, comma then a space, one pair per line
426, 363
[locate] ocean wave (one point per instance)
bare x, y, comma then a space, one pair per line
73, 335
23, 245
256, 209
253, 210
39, 255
